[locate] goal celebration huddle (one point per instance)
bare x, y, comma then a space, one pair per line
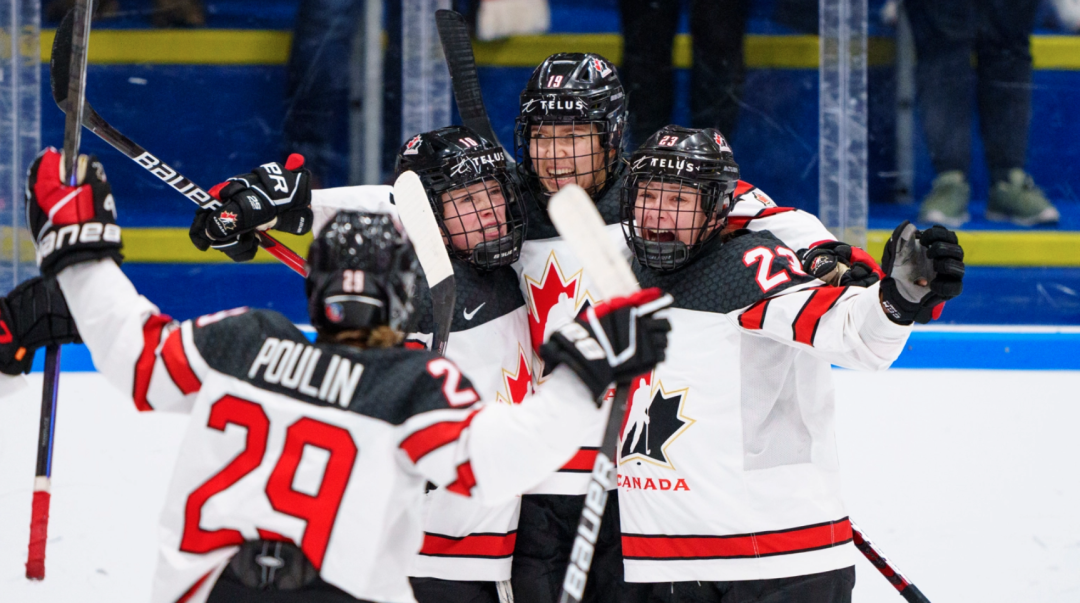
441, 438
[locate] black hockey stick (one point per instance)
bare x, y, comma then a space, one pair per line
77, 36
415, 213
579, 223
458, 50
904, 586
58, 78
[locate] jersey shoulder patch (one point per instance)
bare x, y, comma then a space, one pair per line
746, 267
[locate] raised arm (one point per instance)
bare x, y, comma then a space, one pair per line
138, 349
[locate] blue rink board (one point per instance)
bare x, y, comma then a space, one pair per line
1001, 350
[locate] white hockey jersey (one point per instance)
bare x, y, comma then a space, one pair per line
556, 290
327, 446
727, 467
464, 539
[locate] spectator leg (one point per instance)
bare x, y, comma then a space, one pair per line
944, 33
716, 79
648, 35
317, 86
1003, 50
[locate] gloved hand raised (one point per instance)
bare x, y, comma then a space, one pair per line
272, 196
923, 270
70, 224
614, 342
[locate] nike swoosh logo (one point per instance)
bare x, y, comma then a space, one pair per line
469, 315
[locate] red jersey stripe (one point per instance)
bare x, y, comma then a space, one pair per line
487, 546
766, 544
420, 443
804, 329
465, 480
144, 366
176, 363
582, 461
754, 317
742, 187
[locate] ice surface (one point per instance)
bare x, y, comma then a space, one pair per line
967, 480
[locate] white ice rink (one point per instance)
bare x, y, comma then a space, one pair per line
968, 480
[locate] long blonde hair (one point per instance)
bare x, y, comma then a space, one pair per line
379, 337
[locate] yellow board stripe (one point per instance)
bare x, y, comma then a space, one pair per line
981, 248
1005, 248
271, 47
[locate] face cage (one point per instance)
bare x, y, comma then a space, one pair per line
477, 216
677, 211
575, 148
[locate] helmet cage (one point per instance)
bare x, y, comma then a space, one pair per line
571, 148
452, 181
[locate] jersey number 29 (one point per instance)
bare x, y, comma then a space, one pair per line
319, 511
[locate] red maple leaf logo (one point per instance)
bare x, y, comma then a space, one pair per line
519, 383
544, 295
228, 216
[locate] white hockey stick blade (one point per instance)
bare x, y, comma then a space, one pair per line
416, 216
580, 224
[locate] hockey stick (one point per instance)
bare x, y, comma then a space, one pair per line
458, 50
77, 35
58, 78
415, 213
904, 586
574, 215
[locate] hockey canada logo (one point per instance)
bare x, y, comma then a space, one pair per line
720, 142
413, 146
226, 220
601, 67
654, 419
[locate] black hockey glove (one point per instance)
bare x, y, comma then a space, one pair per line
840, 264
924, 269
612, 343
70, 224
33, 315
273, 196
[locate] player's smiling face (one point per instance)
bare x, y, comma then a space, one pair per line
567, 154
668, 211
474, 214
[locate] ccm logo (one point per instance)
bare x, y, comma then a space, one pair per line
90, 232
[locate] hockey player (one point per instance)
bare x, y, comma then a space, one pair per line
569, 130
304, 464
468, 547
740, 450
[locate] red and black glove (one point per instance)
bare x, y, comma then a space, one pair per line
612, 343
272, 196
71, 224
33, 315
924, 268
840, 264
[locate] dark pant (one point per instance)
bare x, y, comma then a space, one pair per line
716, 78
998, 32
229, 589
433, 590
826, 587
545, 536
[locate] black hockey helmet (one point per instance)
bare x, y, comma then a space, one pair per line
466, 174
677, 166
361, 274
570, 89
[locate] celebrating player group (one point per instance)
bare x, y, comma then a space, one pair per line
364, 466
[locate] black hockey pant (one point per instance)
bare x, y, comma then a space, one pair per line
433, 590
827, 587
